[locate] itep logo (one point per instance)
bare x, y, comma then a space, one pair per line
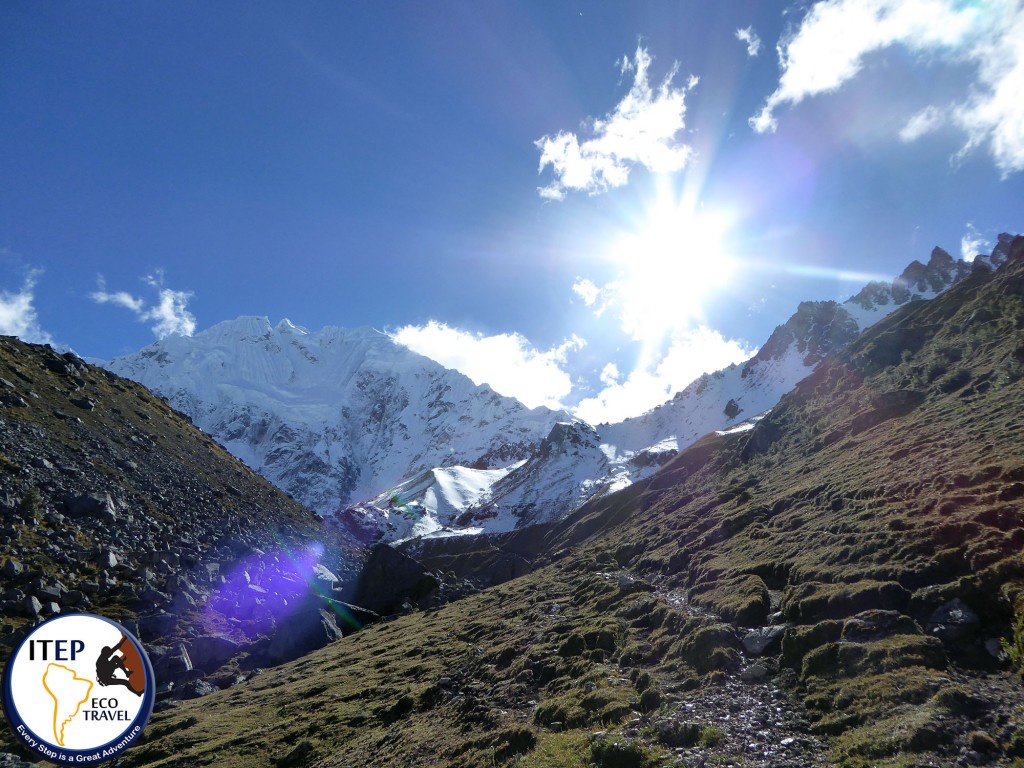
79, 688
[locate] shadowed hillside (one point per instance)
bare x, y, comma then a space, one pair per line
828, 588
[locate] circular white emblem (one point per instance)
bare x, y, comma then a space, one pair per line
78, 689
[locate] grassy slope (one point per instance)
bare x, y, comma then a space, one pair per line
847, 499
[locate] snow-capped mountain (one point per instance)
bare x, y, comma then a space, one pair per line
726, 398
336, 416
391, 445
601, 460
563, 471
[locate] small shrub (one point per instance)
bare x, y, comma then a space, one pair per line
650, 700
31, 504
982, 742
1013, 646
619, 754
711, 737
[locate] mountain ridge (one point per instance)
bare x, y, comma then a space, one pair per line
347, 419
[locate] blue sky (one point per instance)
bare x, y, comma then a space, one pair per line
581, 203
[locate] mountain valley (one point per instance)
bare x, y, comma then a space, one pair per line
838, 581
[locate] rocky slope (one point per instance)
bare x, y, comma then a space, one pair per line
112, 502
830, 587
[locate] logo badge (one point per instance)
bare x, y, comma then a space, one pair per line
79, 689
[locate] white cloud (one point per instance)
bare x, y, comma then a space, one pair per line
641, 130
120, 298
830, 45
610, 374
586, 290
924, 122
993, 112
18, 314
750, 37
690, 354
169, 313
973, 243
507, 361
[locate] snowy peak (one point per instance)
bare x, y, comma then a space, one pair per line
563, 471
724, 399
940, 273
568, 437
334, 416
816, 328
917, 281
429, 505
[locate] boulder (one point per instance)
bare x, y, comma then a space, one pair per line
92, 505
953, 621
323, 578
312, 626
389, 579
207, 652
170, 662
754, 672
31, 607
758, 641
11, 569
107, 560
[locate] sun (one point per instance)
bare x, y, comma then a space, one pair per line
671, 265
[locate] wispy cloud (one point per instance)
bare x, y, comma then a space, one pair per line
973, 243
507, 361
690, 354
926, 121
751, 38
830, 45
169, 313
643, 129
18, 313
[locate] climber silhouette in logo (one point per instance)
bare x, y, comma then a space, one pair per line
114, 660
